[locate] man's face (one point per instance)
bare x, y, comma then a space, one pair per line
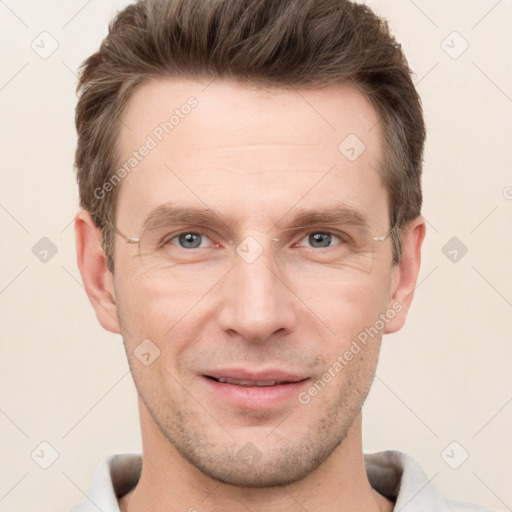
244, 296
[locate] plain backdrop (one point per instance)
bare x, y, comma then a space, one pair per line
443, 390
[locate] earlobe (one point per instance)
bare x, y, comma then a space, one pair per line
406, 273
96, 276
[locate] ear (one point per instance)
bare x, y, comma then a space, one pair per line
96, 276
405, 273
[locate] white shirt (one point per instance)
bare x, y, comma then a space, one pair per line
391, 473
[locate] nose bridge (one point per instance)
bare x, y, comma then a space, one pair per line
258, 271
257, 302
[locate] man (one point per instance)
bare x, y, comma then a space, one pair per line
249, 173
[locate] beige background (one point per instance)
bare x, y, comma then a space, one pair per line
446, 377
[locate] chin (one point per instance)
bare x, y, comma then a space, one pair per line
280, 470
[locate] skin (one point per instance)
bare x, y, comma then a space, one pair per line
256, 156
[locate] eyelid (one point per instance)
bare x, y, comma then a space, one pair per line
342, 236
212, 236
176, 235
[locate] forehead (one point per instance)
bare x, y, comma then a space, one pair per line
227, 146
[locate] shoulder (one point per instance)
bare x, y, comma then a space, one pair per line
400, 478
114, 476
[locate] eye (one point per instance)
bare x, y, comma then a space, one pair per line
190, 240
322, 239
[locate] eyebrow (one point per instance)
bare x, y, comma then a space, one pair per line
169, 213
339, 214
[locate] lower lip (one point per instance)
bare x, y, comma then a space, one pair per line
255, 397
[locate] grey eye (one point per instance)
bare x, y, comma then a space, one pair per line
319, 240
190, 240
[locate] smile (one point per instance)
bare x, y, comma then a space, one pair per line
254, 390
259, 383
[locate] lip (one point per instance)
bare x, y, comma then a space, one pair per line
254, 376
254, 397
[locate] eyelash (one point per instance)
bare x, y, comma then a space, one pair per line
343, 237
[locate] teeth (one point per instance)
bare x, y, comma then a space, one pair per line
261, 383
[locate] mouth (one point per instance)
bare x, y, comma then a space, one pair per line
254, 390
252, 383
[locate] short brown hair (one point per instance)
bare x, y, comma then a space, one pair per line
270, 43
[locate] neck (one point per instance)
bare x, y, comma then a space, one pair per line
169, 482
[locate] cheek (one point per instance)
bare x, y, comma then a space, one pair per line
147, 317
150, 305
344, 309
169, 313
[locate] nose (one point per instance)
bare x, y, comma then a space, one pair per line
257, 302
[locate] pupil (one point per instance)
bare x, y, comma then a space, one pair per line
190, 240
320, 239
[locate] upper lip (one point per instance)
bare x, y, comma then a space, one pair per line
255, 376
